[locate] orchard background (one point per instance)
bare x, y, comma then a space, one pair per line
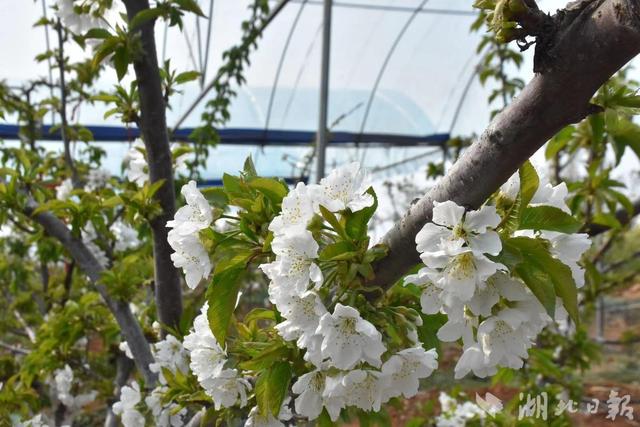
348, 270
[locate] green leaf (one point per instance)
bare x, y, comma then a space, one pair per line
333, 221
121, 62
97, 33
105, 49
428, 331
607, 219
558, 142
338, 251
190, 6
358, 222
272, 188
631, 101
143, 16
260, 314
538, 263
187, 76
231, 184
222, 295
540, 284
216, 196
324, 420
266, 358
529, 183
249, 169
112, 202
627, 133
272, 387
548, 218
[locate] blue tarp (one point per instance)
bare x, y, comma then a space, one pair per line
255, 137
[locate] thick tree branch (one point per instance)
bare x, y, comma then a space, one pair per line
153, 125
129, 325
593, 39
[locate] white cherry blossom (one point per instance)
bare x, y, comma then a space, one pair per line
96, 179
164, 416
191, 256
227, 389
137, 170
310, 388
302, 314
546, 194
196, 215
344, 188
451, 230
460, 325
404, 370
207, 357
297, 211
63, 380
170, 354
360, 388
349, 339
569, 249
126, 237
125, 408
503, 340
256, 419
550, 195
473, 360
294, 267
461, 275
63, 191
77, 23
430, 299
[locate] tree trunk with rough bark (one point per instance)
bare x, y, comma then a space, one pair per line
153, 125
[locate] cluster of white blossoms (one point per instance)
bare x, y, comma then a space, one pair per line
63, 380
125, 238
453, 414
494, 314
97, 179
168, 354
127, 407
345, 349
190, 254
137, 169
63, 191
79, 23
208, 359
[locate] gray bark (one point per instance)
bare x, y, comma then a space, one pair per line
153, 125
587, 43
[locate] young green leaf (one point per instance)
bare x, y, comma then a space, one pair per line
357, 222
222, 295
548, 218
272, 188
529, 183
272, 387
537, 264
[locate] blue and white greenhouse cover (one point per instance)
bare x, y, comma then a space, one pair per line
396, 68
